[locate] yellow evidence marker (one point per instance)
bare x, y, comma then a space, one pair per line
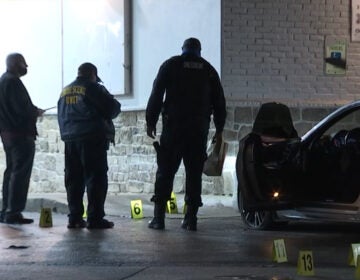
354, 252
279, 251
85, 210
357, 269
305, 264
171, 205
45, 218
136, 209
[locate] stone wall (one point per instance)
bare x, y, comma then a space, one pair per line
132, 162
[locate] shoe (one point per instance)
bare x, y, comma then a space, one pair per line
76, 224
100, 224
157, 223
18, 220
190, 219
189, 224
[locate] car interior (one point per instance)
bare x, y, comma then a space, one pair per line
333, 163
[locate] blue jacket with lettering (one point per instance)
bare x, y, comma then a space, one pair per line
86, 110
187, 91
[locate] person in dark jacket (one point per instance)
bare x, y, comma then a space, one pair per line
186, 91
85, 113
18, 118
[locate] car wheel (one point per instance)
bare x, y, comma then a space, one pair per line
258, 220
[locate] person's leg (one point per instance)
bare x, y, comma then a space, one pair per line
94, 160
168, 160
193, 159
22, 158
74, 184
6, 179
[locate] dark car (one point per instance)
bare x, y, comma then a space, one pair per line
282, 177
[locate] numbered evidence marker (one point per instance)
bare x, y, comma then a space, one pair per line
354, 253
305, 265
171, 205
279, 251
136, 209
45, 218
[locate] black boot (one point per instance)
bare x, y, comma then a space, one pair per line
158, 222
190, 219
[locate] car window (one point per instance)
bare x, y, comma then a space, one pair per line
347, 123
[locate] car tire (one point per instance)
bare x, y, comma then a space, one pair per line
258, 220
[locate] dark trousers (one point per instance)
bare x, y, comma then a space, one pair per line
19, 162
178, 144
86, 169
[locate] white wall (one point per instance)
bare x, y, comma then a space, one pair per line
55, 41
54, 48
160, 28
33, 29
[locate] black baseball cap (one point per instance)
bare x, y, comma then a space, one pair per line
87, 69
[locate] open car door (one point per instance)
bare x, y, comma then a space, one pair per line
268, 172
268, 161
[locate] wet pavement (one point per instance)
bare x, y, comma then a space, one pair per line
222, 248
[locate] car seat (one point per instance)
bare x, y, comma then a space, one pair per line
274, 120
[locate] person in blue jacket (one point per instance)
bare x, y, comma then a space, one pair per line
186, 91
85, 113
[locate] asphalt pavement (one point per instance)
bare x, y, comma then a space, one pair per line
221, 249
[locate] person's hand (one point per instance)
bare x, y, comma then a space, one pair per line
151, 131
40, 112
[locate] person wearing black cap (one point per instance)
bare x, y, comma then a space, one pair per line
18, 118
85, 113
193, 92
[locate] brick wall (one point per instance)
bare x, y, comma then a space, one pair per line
274, 51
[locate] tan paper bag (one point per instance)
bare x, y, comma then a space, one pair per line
213, 165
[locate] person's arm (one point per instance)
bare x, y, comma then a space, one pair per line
218, 103
155, 101
104, 102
